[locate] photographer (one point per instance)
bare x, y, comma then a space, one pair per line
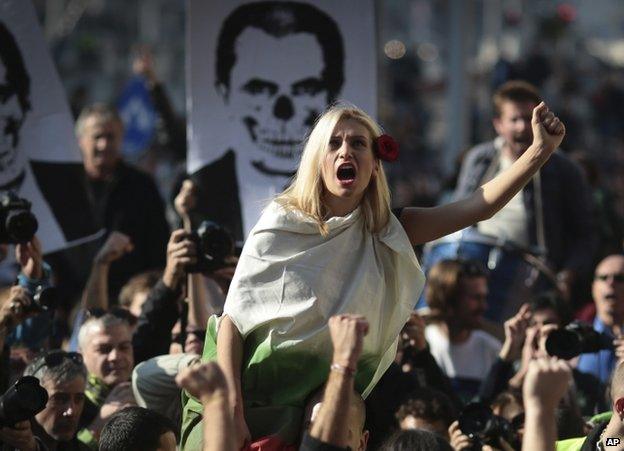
63, 376
14, 308
34, 276
608, 295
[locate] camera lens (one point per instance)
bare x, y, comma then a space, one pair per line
21, 225
564, 344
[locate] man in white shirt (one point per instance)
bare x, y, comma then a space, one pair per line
456, 293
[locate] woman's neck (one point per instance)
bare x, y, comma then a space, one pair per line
337, 206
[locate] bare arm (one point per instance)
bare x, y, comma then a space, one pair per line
95, 294
331, 425
230, 357
544, 386
207, 383
427, 224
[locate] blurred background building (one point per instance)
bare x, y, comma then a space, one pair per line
439, 61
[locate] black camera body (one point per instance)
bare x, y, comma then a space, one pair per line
480, 424
214, 245
44, 299
576, 338
17, 223
22, 401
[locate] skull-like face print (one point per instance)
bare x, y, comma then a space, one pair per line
277, 99
11, 119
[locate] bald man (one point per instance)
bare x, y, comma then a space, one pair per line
608, 295
608, 434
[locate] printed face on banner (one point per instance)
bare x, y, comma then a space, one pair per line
276, 74
14, 104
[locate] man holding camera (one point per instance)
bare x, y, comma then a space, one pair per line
63, 376
608, 294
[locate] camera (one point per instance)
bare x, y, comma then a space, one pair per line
44, 299
22, 401
575, 339
214, 245
480, 424
17, 223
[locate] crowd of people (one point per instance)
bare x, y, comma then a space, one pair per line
291, 342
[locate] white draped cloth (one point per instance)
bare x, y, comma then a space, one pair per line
290, 280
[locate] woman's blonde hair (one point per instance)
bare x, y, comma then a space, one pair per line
305, 193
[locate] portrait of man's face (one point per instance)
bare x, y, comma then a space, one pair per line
276, 73
277, 107
13, 105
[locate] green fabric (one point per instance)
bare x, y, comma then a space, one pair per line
571, 444
96, 392
86, 437
276, 384
575, 444
601, 417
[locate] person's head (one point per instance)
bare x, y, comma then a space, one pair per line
99, 130
548, 308
513, 104
608, 290
427, 409
457, 292
14, 104
134, 293
64, 377
508, 404
106, 344
339, 170
415, 440
616, 390
278, 98
358, 436
138, 429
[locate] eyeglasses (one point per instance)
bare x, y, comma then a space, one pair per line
120, 313
56, 357
619, 277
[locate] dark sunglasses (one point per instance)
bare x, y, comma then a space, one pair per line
117, 312
619, 277
56, 357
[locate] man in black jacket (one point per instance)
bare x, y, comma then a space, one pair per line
552, 213
121, 197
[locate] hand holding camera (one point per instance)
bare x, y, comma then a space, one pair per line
19, 436
21, 402
16, 307
181, 253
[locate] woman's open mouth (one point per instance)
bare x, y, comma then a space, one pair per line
346, 174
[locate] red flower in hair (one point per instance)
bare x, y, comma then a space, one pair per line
386, 148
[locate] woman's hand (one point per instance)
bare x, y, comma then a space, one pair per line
548, 130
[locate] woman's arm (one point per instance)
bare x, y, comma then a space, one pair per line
230, 357
427, 224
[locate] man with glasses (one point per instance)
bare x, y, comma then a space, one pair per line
608, 294
105, 341
64, 377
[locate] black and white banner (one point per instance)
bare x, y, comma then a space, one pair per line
258, 74
39, 156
